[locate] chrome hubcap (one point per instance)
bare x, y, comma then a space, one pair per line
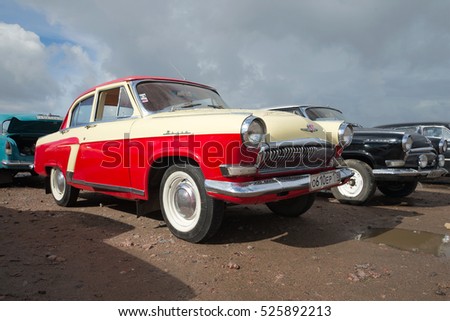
60, 182
181, 201
353, 187
185, 201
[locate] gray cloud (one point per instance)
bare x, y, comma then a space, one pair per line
23, 68
379, 61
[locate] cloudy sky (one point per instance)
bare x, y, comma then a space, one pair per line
378, 61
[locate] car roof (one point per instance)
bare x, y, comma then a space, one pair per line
149, 78
286, 106
302, 106
427, 123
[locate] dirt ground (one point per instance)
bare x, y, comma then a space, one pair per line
100, 250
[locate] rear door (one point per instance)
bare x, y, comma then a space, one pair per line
102, 156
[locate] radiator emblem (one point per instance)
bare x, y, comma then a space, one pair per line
310, 128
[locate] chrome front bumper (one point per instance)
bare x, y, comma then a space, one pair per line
268, 186
391, 173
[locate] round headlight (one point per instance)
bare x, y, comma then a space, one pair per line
441, 160
442, 146
253, 131
345, 134
422, 161
407, 143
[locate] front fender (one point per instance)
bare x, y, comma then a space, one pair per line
361, 155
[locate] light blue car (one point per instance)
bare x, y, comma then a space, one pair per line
19, 133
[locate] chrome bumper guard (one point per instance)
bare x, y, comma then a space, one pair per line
268, 186
17, 164
408, 172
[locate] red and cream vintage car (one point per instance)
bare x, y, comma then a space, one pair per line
174, 145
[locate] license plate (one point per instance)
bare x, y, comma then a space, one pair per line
323, 180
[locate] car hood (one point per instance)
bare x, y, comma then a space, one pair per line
388, 135
281, 126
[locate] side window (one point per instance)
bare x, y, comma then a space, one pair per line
446, 133
125, 109
81, 114
113, 104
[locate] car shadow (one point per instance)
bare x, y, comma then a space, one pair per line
92, 199
420, 198
62, 255
327, 222
26, 180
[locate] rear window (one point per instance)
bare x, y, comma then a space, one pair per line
81, 114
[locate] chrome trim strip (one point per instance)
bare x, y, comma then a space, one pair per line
394, 163
301, 142
267, 186
421, 150
230, 170
17, 162
105, 187
408, 172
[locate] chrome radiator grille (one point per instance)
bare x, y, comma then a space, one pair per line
295, 157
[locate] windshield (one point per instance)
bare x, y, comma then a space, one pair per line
436, 132
168, 96
323, 113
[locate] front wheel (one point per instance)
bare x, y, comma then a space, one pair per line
397, 189
188, 211
292, 207
63, 193
361, 186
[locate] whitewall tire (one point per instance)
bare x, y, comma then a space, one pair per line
188, 211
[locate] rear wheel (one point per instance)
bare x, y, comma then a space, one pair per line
63, 193
188, 211
292, 207
397, 189
361, 186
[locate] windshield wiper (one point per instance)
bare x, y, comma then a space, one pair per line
184, 105
216, 106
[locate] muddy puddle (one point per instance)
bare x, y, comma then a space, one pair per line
410, 240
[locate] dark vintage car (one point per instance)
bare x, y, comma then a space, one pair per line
392, 160
19, 133
433, 130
